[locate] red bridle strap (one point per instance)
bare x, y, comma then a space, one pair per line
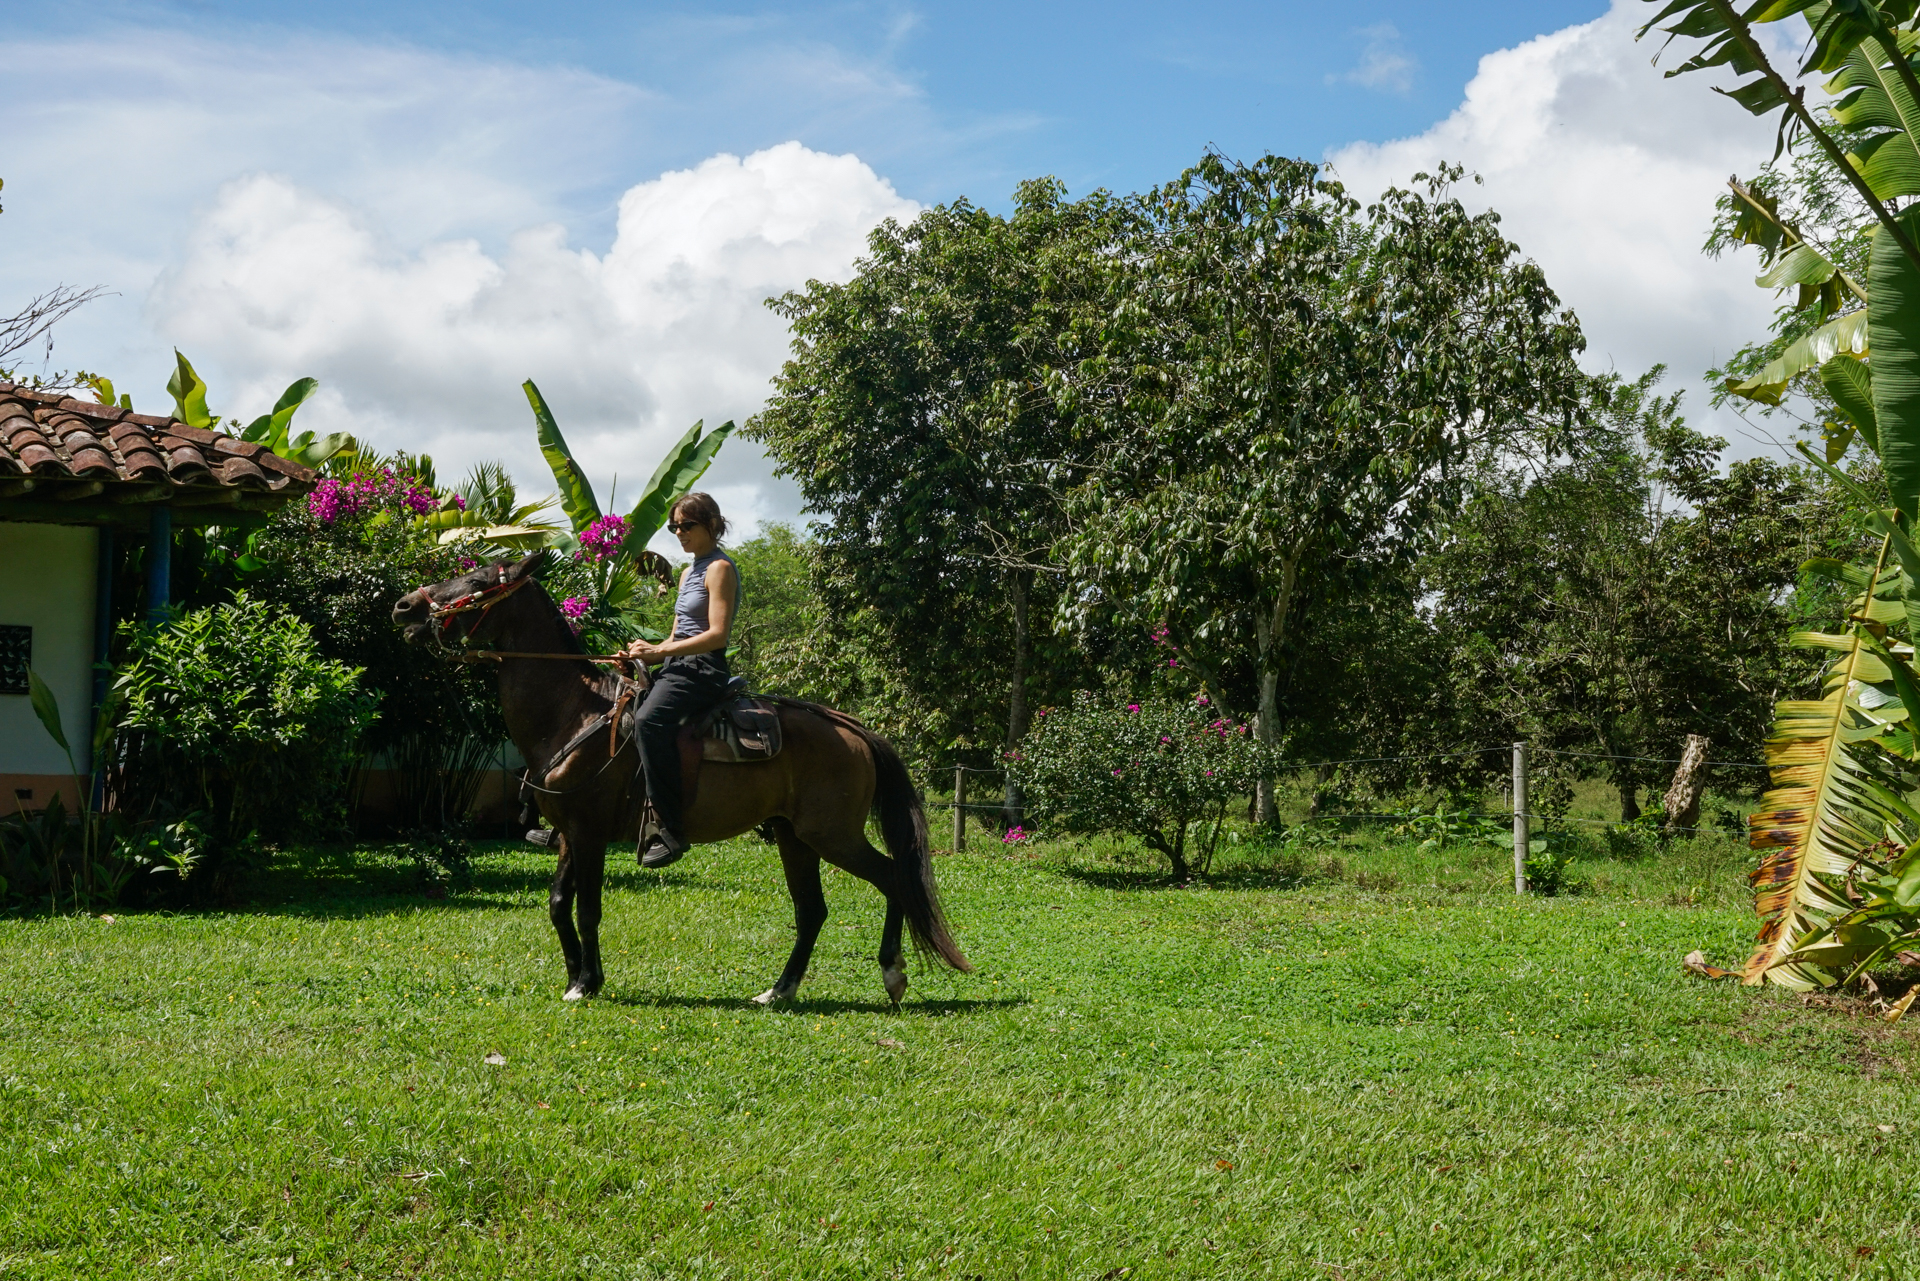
483, 600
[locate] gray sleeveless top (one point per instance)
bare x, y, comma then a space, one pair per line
690, 610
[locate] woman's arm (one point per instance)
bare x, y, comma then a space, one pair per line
722, 592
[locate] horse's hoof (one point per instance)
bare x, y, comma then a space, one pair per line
578, 992
896, 980
773, 996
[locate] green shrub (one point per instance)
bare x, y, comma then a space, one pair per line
232, 711
1163, 770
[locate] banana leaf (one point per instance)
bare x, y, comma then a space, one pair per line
576, 492
1827, 807
189, 392
1841, 335
1871, 96
677, 473
1894, 330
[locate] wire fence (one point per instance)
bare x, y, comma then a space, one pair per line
1521, 816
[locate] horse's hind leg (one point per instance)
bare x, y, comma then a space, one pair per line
802, 867
857, 856
560, 911
589, 870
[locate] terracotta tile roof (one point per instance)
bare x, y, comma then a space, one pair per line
55, 448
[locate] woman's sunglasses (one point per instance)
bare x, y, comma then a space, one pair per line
680, 526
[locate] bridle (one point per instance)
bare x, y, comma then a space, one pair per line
483, 600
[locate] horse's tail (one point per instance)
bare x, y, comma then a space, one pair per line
904, 825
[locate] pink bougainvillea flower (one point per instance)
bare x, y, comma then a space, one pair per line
601, 540
1133, 707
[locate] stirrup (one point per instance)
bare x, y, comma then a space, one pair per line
543, 836
663, 850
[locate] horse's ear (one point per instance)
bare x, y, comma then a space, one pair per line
528, 567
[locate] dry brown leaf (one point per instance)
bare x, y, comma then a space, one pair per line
1899, 1007
890, 1043
544, 1107
1223, 1165
497, 1059
1695, 963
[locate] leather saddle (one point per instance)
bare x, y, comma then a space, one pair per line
743, 728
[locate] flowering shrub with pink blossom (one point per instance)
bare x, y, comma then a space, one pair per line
1165, 770
601, 540
365, 493
575, 608
1017, 835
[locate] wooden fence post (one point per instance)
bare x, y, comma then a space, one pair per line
959, 808
1521, 819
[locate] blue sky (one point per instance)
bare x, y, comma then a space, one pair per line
946, 99
423, 204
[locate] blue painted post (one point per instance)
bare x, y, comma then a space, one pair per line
102, 637
159, 561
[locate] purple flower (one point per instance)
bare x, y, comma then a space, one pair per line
1133, 707
573, 609
603, 537
333, 499
1202, 700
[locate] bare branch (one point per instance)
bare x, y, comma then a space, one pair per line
36, 320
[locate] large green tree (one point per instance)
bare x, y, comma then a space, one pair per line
1286, 383
915, 417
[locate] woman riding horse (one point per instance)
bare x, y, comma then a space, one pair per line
694, 673
814, 797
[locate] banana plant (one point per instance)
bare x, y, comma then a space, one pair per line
1845, 807
676, 475
271, 429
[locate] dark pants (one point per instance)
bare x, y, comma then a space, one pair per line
687, 686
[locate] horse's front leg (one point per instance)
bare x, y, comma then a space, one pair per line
589, 873
560, 911
802, 866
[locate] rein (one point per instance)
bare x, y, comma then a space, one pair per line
484, 600
478, 655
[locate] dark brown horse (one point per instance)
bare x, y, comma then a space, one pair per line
815, 795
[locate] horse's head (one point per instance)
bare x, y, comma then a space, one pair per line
461, 610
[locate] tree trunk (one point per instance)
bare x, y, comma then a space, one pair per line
1683, 797
1270, 630
1020, 587
1629, 800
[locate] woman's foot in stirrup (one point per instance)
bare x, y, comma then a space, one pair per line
666, 848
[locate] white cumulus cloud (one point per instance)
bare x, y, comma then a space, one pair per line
1605, 173
425, 346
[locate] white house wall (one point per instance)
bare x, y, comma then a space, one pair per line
47, 583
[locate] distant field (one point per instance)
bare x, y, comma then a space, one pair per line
1396, 1070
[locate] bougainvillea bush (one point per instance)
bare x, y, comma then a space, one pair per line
1164, 770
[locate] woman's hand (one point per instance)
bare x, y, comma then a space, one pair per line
645, 652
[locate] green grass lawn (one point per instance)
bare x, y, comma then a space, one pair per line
1389, 1067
